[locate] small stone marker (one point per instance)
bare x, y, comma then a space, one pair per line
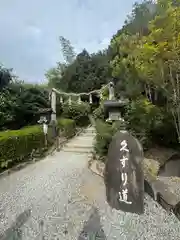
124, 178
44, 123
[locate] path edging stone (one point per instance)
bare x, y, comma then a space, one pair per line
157, 189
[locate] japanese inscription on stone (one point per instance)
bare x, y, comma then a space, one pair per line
123, 175
123, 195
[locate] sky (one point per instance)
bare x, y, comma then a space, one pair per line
30, 30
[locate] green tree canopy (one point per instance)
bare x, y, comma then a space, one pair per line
85, 73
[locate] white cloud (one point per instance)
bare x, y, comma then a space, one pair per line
105, 42
34, 31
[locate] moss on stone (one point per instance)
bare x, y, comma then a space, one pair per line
151, 166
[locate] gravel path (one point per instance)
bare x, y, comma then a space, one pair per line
60, 198
173, 183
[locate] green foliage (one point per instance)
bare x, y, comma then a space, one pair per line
125, 43
20, 104
145, 63
19, 145
99, 113
67, 127
87, 72
78, 112
54, 75
104, 136
138, 20
151, 124
164, 133
142, 118
5, 77
144, 60
67, 50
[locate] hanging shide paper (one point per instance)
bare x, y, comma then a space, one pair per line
70, 101
90, 98
61, 99
79, 100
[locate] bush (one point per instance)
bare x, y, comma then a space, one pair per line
164, 133
17, 145
104, 136
78, 112
67, 127
142, 118
150, 124
99, 113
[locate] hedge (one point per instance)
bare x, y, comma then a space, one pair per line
15, 145
18, 145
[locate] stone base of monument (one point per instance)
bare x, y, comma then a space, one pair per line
154, 187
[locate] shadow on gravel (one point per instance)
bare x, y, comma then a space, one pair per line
15, 232
92, 229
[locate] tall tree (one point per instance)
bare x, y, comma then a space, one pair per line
67, 50
5, 77
158, 57
151, 59
138, 20
87, 72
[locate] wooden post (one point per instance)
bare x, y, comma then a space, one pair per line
45, 140
53, 116
53, 106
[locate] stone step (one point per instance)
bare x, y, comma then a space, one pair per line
90, 130
86, 136
77, 150
81, 141
89, 134
75, 145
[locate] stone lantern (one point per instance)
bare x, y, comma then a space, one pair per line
113, 107
44, 120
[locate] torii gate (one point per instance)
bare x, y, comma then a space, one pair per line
54, 92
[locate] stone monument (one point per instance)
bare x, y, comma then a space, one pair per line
123, 175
